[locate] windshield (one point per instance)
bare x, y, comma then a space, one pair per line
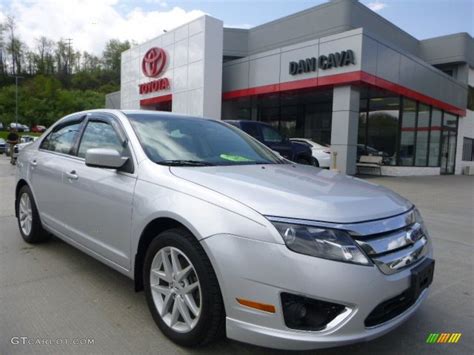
174, 140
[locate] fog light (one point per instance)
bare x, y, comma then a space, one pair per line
296, 313
308, 314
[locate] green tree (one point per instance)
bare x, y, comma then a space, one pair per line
112, 56
57, 79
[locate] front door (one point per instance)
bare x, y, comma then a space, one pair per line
99, 216
448, 144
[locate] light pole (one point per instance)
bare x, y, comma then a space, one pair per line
16, 99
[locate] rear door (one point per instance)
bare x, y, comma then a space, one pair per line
46, 171
100, 216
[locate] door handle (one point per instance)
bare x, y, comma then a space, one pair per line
72, 175
33, 162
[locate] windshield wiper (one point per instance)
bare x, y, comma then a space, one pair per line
179, 162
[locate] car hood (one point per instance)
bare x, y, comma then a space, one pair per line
298, 191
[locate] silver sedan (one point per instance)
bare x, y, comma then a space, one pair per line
223, 235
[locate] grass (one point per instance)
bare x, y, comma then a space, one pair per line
4, 134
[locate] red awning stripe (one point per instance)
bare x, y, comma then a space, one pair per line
156, 100
356, 77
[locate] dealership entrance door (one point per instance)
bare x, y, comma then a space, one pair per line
448, 143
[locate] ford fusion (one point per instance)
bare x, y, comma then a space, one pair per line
224, 236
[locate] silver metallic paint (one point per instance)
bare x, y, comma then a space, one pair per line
104, 213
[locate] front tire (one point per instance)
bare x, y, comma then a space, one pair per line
182, 290
28, 218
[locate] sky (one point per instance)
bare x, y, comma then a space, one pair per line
90, 23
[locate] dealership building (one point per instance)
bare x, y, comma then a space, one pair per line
337, 73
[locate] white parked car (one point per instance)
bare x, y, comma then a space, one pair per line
223, 235
321, 153
24, 141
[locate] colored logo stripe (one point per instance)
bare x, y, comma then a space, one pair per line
432, 338
454, 337
443, 338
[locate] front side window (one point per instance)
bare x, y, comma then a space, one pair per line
62, 139
189, 141
99, 134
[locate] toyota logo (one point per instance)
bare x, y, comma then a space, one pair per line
154, 62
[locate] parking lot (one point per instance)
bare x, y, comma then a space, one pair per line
54, 293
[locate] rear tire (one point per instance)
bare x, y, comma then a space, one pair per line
202, 306
28, 218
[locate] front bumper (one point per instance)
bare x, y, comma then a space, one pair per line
261, 271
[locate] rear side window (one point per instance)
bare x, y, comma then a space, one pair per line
271, 135
62, 139
251, 129
99, 135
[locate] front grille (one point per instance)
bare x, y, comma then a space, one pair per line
421, 278
389, 309
396, 249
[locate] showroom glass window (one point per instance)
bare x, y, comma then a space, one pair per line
407, 133
422, 135
295, 114
448, 143
435, 137
381, 128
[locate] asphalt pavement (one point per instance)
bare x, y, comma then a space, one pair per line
56, 300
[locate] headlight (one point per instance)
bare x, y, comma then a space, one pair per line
323, 243
419, 220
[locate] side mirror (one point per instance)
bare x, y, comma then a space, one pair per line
105, 158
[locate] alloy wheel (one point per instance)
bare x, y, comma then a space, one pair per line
175, 289
25, 214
